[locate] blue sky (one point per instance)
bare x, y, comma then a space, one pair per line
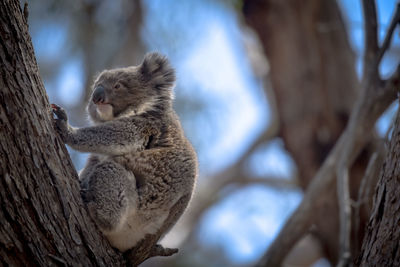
203, 41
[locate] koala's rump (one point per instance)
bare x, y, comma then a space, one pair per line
135, 228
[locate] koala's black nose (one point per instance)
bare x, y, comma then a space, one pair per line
98, 95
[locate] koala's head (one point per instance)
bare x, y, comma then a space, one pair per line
133, 90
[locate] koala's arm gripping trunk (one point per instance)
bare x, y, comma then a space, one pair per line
110, 138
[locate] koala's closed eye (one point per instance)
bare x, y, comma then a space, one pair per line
117, 85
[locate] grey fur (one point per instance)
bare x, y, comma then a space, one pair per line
141, 163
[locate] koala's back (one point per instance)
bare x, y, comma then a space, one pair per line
166, 167
165, 171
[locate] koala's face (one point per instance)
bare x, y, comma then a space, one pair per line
133, 90
116, 91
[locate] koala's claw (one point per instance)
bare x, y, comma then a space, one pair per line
60, 121
59, 112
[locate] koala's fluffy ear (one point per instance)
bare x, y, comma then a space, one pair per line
157, 71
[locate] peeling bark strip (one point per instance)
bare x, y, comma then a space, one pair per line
43, 220
381, 242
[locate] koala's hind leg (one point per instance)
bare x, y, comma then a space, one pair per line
111, 195
84, 174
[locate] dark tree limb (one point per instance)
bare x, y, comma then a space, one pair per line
388, 37
359, 120
371, 32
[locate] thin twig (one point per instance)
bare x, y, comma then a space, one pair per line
371, 33
362, 191
371, 178
343, 192
388, 38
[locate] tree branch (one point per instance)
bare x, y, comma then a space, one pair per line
343, 193
371, 33
388, 37
370, 105
360, 120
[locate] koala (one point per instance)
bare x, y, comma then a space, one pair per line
141, 172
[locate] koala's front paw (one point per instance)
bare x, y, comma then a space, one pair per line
61, 121
59, 112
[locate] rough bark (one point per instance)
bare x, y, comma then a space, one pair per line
43, 219
314, 80
381, 246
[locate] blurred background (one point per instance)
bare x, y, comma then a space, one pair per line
264, 90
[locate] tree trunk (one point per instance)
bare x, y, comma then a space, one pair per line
315, 84
43, 220
381, 246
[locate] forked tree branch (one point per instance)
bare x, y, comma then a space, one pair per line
359, 120
301, 220
375, 98
388, 38
371, 33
